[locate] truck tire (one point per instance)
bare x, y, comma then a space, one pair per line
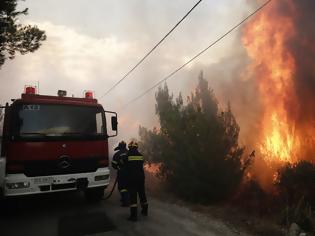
94, 194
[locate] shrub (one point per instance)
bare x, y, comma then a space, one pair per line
296, 181
296, 186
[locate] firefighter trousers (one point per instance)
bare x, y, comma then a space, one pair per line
122, 188
137, 189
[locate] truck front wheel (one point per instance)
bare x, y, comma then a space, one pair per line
94, 194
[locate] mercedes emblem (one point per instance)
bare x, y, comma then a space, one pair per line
64, 162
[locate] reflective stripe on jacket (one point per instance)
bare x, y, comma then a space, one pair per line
134, 165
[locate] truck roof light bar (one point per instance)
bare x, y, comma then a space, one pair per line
88, 94
28, 89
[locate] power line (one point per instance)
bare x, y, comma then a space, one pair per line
148, 53
199, 54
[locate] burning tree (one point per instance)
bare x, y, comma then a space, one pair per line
279, 42
196, 145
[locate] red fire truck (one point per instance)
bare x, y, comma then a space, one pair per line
55, 143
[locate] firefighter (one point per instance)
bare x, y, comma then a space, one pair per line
119, 165
134, 166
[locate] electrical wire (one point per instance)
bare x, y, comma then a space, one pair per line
148, 53
197, 55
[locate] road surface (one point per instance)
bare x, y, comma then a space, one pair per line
70, 215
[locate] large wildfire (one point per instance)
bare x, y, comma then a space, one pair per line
274, 100
280, 42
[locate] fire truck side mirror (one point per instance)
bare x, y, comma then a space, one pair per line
114, 123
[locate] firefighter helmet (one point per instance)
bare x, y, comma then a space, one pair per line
133, 144
121, 145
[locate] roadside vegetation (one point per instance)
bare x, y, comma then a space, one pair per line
196, 145
295, 184
200, 161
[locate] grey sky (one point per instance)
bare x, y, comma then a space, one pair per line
92, 44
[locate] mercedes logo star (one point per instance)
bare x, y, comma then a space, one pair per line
64, 162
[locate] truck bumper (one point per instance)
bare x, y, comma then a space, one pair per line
19, 184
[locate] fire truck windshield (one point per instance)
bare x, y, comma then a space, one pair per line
58, 121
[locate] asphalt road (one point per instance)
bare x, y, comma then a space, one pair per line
70, 215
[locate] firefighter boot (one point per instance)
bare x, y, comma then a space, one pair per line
144, 210
133, 214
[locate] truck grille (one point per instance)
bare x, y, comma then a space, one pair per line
59, 167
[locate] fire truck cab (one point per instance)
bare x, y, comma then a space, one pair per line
55, 143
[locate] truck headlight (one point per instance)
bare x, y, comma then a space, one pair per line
18, 185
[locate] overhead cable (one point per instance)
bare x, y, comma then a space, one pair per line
198, 54
148, 53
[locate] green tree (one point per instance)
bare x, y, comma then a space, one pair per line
196, 145
15, 37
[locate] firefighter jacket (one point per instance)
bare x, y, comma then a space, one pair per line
118, 159
134, 166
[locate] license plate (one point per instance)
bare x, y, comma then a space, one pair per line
43, 180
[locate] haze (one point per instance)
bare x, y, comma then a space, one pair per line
92, 44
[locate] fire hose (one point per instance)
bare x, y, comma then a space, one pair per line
112, 190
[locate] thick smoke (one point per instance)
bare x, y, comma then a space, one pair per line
303, 49
232, 84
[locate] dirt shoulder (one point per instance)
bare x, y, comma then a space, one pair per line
238, 220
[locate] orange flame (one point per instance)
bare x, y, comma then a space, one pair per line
274, 67
152, 168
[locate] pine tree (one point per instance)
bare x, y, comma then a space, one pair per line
197, 145
15, 37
